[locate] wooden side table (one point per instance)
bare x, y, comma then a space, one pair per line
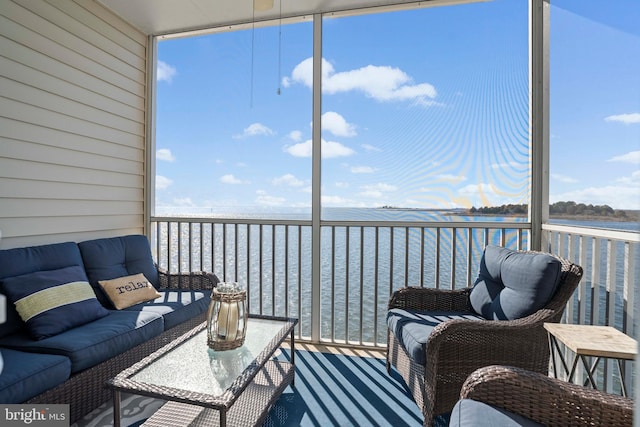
590, 341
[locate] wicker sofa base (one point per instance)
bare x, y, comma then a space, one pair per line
86, 390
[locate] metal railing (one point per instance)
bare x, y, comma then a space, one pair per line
362, 263
609, 291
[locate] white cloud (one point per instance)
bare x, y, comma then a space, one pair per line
451, 178
185, 201
337, 125
342, 184
623, 193
165, 154
230, 179
362, 169
289, 180
624, 118
165, 72
624, 196
162, 182
295, 135
481, 195
330, 149
508, 165
241, 165
376, 191
264, 199
382, 83
630, 157
563, 178
335, 200
369, 147
634, 179
254, 129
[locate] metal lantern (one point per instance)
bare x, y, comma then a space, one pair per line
227, 316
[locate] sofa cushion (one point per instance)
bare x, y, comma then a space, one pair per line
110, 258
470, 413
412, 328
513, 284
53, 301
19, 261
176, 305
126, 291
95, 342
25, 375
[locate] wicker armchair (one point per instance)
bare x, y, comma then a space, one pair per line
545, 400
455, 348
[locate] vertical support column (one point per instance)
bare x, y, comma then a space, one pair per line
539, 120
316, 178
150, 137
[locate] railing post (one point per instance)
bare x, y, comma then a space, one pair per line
539, 120
316, 178
150, 136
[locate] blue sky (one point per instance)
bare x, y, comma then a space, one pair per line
434, 117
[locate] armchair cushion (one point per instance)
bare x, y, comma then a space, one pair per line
412, 328
470, 413
513, 284
110, 258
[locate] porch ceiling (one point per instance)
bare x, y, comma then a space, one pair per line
161, 17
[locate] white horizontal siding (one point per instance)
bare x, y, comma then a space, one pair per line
72, 122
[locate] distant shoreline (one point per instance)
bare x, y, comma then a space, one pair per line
629, 218
631, 215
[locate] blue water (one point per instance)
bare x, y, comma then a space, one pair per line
361, 266
374, 214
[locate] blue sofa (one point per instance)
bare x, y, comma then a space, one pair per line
73, 339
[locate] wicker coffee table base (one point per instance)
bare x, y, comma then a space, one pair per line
250, 409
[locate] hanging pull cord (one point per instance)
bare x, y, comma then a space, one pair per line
253, 36
280, 50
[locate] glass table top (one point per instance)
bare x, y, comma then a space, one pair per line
194, 367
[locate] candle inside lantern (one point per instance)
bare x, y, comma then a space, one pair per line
228, 321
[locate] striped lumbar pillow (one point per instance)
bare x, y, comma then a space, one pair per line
53, 301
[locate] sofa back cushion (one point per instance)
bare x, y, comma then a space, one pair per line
513, 284
111, 258
20, 261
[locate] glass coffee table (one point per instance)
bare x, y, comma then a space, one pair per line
206, 387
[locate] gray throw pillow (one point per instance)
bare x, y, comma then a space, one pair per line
513, 284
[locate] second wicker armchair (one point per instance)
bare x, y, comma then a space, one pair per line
508, 396
438, 337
